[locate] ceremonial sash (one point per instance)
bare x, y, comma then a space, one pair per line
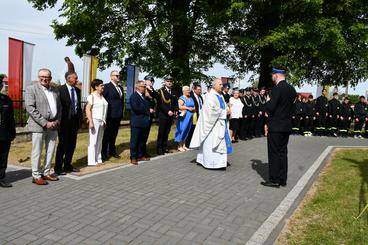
229, 147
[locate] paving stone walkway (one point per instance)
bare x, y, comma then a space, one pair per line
164, 201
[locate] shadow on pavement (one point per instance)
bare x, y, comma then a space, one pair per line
16, 175
261, 168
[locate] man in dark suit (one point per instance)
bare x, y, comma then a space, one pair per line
7, 132
139, 121
114, 95
195, 94
71, 118
280, 109
166, 106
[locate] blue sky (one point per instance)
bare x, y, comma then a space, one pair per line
19, 20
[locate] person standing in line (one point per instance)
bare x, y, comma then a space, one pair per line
297, 116
321, 109
151, 95
279, 109
7, 132
308, 116
139, 121
333, 114
225, 93
211, 134
195, 94
71, 119
185, 119
114, 95
43, 105
96, 111
262, 98
236, 108
247, 113
346, 114
167, 107
360, 113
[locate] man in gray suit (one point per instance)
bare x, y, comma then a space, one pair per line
44, 108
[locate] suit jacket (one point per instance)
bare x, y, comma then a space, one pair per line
7, 122
66, 113
195, 101
115, 108
280, 107
166, 102
140, 111
38, 108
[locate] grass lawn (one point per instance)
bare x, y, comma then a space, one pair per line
326, 216
20, 153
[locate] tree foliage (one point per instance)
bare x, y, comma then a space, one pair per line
162, 37
317, 40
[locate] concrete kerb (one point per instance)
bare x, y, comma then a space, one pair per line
262, 235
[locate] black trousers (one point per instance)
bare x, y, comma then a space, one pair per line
308, 124
321, 120
277, 156
109, 138
4, 152
332, 121
190, 135
67, 141
296, 121
244, 131
344, 123
136, 142
145, 137
163, 133
358, 126
259, 125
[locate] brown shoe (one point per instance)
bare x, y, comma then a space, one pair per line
51, 177
134, 161
144, 159
39, 181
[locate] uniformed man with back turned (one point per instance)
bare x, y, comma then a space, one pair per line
7, 132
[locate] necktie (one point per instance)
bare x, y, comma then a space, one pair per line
119, 91
73, 102
200, 103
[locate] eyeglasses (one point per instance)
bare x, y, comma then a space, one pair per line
44, 77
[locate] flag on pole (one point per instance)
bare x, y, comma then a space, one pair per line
19, 68
90, 64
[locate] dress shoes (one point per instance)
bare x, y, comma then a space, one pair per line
5, 184
104, 158
51, 177
39, 181
270, 184
143, 159
115, 155
76, 170
134, 161
147, 155
60, 173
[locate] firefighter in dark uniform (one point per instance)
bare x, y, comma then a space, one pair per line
7, 132
167, 104
308, 116
346, 114
256, 107
333, 114
360, 114
297, 116
262, 98
151, 95
321, 109
247, 112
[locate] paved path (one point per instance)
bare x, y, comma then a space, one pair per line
164, 201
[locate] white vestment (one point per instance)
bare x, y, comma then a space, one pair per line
209, 133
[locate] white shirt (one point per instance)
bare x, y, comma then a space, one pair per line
75, 96
236, 107
51, 100
199, 101
99, 106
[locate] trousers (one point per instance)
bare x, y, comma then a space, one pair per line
95, 142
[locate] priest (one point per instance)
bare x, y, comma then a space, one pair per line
211, 134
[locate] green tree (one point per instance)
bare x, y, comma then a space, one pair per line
317, 40
181, 38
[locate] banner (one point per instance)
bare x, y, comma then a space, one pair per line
90, 65
27, 64
15, 70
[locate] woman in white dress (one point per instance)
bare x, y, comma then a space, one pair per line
236, 107
96, 110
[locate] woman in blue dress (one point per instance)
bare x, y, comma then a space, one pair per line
184, 122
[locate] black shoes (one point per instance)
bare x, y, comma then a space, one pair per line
60, 173
5, 184
270, 184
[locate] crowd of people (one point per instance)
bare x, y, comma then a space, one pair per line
202, 122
